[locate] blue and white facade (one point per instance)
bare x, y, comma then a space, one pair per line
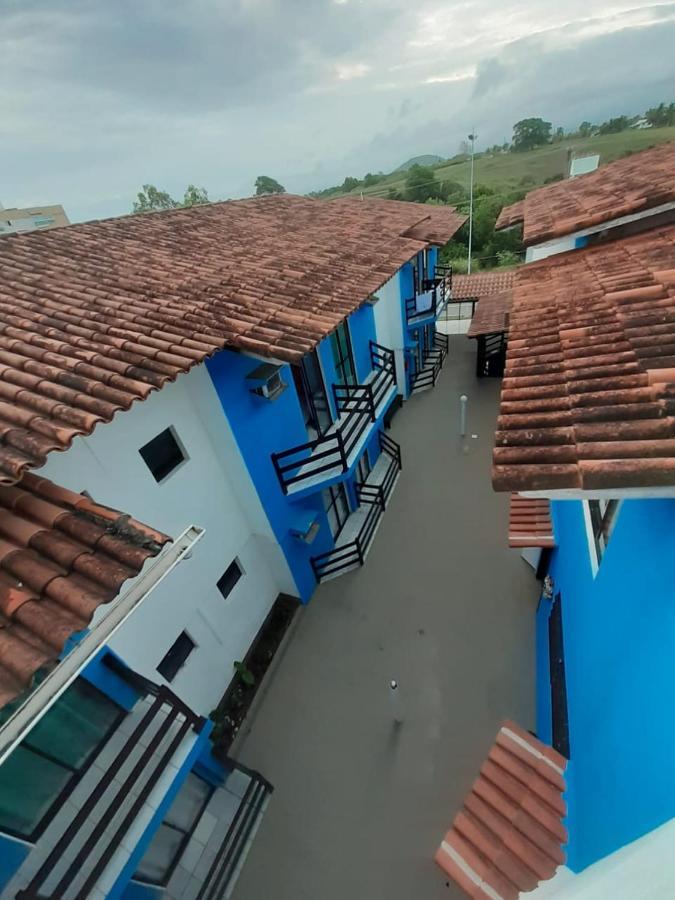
286, 471
605, 673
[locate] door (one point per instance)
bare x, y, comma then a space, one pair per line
312, 395
343, 357
556, 659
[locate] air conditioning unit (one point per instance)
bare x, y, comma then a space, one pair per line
266, 381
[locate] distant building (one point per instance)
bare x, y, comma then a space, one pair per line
594, 207
33, 218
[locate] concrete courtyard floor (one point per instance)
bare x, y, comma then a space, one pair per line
443, 606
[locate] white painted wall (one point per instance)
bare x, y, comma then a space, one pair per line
568, 242
643, 870
213, 490
389, 324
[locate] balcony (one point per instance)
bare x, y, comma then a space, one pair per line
86, 851
428, 375
425, 307
359, 530
317, 462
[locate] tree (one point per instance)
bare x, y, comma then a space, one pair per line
350, 183
559, 134
530, 133
194, 196
585, 129
614, 126
266, 185
421, 184
150, 199
369, 180
661, 116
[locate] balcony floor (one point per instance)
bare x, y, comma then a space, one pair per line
356, 519
311, 482
443, 606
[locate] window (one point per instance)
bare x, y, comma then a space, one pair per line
343, 358
363, 469
336, 506
172, 836
312, 395
602, 515
163, 454
230, 577
42, 771
176, 656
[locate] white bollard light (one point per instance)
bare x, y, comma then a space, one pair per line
463, 400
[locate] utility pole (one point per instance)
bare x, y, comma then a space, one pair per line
472, 138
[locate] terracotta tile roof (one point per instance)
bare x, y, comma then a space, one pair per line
508, 836
61, 556
588, 395
511, 215
483, 284
530, 522
95, 316
630, 185
491, 315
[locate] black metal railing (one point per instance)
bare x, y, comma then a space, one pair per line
491, 355
433, 363
440, 288
86, 849
373, 496
224, 866
357, 407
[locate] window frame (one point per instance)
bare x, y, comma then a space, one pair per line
599, 530
187, 634
235, 562
187, 835
335, 491
181, 448
77, 774
343, 356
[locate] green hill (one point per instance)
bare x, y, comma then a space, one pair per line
427, 159
512, 171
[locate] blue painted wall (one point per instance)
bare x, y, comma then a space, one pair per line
108, 682
262, 427
12, 854
619, 633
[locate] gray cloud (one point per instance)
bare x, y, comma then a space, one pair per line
98, 97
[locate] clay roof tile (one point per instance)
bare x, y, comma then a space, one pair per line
61, 556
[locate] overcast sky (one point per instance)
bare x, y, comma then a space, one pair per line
99, 96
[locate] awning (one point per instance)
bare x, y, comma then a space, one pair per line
492, 314
530, 522
508, 836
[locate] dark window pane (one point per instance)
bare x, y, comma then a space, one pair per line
59, 747
159, 856
189, 803
230, 577
75, 726
176, 656
162, 454
173, 834
29, 785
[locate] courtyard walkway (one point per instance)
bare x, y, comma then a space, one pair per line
443, 606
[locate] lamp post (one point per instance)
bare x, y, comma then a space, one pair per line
472, 138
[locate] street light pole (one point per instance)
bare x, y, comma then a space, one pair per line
472, 138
